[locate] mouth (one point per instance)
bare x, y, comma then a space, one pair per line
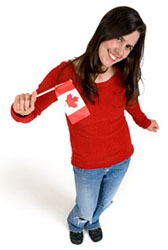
112, 56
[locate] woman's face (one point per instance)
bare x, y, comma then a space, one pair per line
115, 50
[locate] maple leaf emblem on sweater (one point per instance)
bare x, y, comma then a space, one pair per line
71, 101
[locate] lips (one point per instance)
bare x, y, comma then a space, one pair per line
112, 56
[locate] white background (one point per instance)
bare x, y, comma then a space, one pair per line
36, 179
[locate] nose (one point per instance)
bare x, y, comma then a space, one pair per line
119, 51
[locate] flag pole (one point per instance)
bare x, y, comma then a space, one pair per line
50, 90
45, 92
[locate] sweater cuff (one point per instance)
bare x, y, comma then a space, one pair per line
20, 118
146, 123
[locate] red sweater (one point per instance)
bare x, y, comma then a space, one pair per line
103, 138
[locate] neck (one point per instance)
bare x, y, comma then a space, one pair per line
105, 76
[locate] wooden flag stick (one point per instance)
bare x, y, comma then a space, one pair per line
49, 90
45, 92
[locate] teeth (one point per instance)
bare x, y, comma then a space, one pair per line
112, 57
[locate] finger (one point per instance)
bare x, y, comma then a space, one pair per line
21, 102
34, 96
33, 100
16, 104
155, 129
27, 102
156, 124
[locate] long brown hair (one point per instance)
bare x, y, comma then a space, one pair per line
117, 22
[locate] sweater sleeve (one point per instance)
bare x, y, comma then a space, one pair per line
44, 101
41, 104
138, 116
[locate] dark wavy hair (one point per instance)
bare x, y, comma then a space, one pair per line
117, 22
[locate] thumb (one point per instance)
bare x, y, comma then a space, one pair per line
33, 99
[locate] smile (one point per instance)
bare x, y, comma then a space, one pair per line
112, 56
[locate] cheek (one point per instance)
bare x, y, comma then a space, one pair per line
126, 54
100, 51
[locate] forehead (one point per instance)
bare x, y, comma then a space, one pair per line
132, 38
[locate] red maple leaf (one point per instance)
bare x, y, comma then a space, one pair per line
71, 101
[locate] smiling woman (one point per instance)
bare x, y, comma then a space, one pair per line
114, 51
101, 142
120, 27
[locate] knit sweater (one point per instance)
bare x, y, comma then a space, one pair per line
102, 139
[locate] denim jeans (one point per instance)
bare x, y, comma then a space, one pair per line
95, 190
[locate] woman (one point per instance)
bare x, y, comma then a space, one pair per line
107, 77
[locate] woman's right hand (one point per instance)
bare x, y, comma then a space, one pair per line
24, 104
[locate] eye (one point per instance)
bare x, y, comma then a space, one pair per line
119, 39
129, 47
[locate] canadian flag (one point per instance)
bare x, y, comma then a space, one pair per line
74, 106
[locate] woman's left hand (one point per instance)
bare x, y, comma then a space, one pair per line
153, 127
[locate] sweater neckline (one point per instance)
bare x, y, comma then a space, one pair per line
104, 83
108, 81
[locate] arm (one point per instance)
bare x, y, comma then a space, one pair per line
27, 107
140, 118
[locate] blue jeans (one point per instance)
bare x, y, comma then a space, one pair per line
95, 190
